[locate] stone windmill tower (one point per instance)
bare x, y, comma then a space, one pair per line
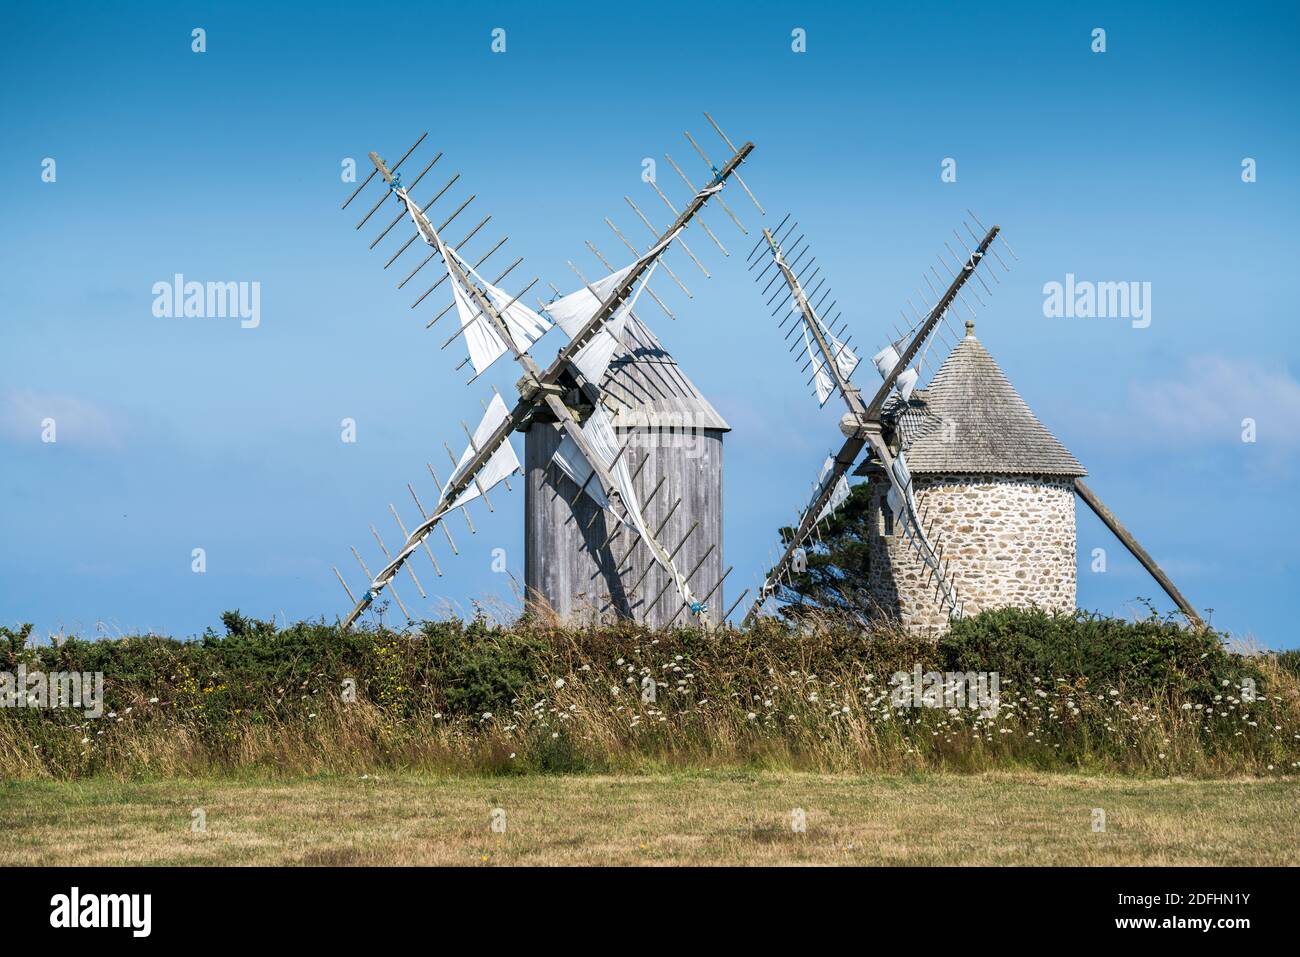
988, 479
973, 497
575, 563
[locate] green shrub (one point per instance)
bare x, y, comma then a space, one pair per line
481, 669
1151, 656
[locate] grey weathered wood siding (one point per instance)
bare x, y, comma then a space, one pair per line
566, 567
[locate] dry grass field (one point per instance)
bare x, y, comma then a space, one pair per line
708, 817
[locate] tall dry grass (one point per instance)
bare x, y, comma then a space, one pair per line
538, 697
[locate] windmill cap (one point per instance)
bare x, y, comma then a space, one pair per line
970, 419
646, 388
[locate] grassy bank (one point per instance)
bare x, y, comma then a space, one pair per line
1076, 693
717, 817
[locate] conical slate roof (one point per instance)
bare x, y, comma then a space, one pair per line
646, 387
971, 419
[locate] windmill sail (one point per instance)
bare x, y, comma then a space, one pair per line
525, 326
833, 363
500, 466
902, 503
845, 360
839, 493
593, 359
481, 337
844, 357
821, 378
571, 312
885, 360
494, 322
484, 344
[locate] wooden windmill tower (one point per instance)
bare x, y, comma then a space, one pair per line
596, 535
672, 438
973, 505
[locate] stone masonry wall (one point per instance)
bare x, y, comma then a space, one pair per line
1009, 541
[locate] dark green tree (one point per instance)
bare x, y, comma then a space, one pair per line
835, 580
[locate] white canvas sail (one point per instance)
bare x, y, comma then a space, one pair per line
571, 312
525, 326
885, 360
838, 495
821, 378
844, 357
575, 310
593, 359
502, 463
482, 341
901, 487
570, 460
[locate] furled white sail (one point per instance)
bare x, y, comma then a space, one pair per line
902, 502
501, 464
593, 359
575, 310
885, 360
838, 495
841, 353
844, 357
821, 378
482, 341
570, 460
900, 489
571, 312
525, 326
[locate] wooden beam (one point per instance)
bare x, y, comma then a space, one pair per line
932, 320
1140, 553
811, 320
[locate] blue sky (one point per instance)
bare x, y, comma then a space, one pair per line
225, 166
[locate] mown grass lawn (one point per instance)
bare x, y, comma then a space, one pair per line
709, 817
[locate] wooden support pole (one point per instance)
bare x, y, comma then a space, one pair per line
1113, 523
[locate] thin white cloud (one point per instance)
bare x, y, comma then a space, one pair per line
1210, 398
76, 421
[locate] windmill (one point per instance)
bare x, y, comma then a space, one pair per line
969, 436
572, 401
